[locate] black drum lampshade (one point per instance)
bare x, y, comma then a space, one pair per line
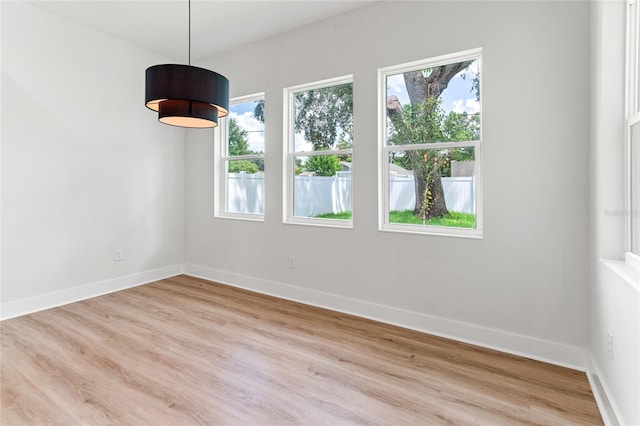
186, 96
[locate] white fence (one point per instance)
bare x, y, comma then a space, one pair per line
459, 193
245, 193
314, 195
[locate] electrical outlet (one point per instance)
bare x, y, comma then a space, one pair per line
292, 262
610, 344
117, 255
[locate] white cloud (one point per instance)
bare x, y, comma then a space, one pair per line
472, 106
301, 144
457, 106
396, 86
254, 128
469, 105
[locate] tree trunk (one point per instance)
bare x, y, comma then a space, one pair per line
438, 206
428, 186
416, 86
421, 185
430, 200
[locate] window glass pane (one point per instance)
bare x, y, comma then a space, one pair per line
323, 118
243, 178
634, 55
245, 186
246, 128
419, 113
430, 105
635, 189
318, 185
433, 187
637, 61
638, 86
322, 187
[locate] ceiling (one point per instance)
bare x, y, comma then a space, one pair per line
216, 25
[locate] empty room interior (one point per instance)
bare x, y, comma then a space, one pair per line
261, 271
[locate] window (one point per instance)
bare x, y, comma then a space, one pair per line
633, 129
240, 160
430, 146
318, 153
634, 180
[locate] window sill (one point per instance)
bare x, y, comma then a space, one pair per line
323, 223
626, 269
633, 261
241, 216
438, 231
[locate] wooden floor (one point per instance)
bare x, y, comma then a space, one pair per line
185, 351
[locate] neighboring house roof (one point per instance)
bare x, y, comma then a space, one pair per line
394, 168
462, 168
346, 166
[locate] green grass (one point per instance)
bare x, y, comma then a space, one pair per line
341, 216
453, 219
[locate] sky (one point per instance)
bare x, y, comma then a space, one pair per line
243, 114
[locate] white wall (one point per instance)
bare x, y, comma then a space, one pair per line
524, 287
86, 168
615, 296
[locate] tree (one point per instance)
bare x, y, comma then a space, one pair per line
419, 124
323, 165
258, 111
461, 126
345, 144
247, 166
238, 144
423, 121
325, 115
451, 127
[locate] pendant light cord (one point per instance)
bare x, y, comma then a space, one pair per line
189, 32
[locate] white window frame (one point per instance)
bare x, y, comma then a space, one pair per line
290, 155
220, 170
385, 150
632, 117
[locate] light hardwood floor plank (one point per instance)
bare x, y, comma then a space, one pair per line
185, 351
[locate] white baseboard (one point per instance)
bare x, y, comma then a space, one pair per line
504, 341
58, 298
601, 394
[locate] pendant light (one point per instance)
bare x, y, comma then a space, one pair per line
186, 96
